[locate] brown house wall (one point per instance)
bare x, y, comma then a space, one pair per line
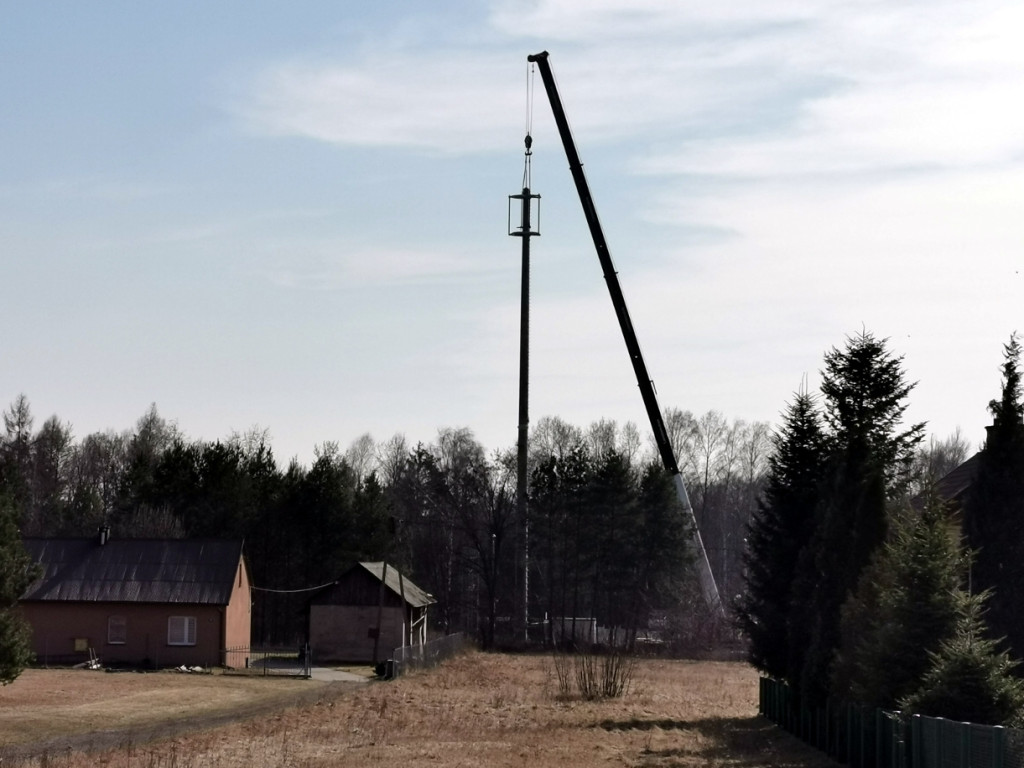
238, 614
343, 633
57, 626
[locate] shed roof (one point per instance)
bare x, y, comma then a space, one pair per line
414, 596
183, 571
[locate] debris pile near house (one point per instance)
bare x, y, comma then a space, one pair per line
92, 663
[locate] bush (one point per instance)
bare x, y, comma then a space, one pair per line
606, 675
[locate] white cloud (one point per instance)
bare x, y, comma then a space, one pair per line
465, 100
596, 22
909, 124
450, 103
909, 89
797, 87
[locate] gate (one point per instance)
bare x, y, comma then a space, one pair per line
266, 661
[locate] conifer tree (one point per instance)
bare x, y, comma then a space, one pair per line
907, 603
970, 679
994, 508
781, 527
16, 572
868, 469
663, 561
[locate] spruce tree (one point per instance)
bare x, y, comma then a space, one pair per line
664, 560
907, 603
781, 527
868, 468
17, 571
614, 521
970, 679
994, 508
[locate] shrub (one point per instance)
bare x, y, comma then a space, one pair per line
606, 675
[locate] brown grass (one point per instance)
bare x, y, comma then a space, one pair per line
61, 707
485, 711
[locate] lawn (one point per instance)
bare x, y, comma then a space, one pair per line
480, 710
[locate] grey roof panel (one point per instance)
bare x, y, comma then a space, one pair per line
188, 571
414, 596
953, 485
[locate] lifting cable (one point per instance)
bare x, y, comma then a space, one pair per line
531, 70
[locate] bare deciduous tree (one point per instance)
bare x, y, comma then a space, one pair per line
938, 458
391, 457
602, 437
553, 437
361, 456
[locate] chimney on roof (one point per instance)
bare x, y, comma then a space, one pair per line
104, 534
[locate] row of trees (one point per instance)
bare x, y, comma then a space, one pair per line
858, 584
604, 528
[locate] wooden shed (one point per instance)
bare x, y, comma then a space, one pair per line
345, 617
149, 602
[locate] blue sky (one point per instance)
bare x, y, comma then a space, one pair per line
294, 216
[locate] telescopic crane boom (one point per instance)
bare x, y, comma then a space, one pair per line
668, 458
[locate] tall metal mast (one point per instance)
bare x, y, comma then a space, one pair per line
525, 231
707, 579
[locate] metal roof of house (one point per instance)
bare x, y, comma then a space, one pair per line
414, 596
952, 486
184, 571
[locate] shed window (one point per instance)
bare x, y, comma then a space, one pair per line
117, 630
181, 630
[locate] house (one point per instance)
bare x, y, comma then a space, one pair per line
368, 612
149, 602
953, 486
951, 490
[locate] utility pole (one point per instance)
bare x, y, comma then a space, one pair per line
525, 231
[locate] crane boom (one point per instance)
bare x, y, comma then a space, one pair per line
643, 378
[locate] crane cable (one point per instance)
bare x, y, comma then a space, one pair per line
531, 70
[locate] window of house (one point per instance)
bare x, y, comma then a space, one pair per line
117, 630
181, 630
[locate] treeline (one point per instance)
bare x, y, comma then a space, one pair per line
863, 584
604, 536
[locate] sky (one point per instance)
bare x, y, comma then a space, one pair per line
294, 216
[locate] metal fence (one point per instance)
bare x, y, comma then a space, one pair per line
293, 662
424, 656
865, 737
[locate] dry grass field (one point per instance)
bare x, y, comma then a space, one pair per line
480, 710
73, 706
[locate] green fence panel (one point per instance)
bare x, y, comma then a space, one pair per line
863, 737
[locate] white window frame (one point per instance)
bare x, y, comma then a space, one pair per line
117, 630
181, 630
